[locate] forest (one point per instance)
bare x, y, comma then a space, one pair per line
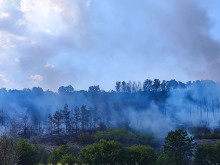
135, 123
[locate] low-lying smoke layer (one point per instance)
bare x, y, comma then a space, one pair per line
155, 106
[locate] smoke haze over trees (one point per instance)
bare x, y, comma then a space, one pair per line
152, 106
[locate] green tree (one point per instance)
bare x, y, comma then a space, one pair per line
28, 153
104, 152
43, 154
57, 154
141, 155
8, 151
125, 137
165, 160
67, 159
207, 154
85, 138
179, 146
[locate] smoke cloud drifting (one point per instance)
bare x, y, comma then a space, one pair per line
50, 43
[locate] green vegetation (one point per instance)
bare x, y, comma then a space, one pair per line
28, 153
208, 136
164, 159
67, 159
125, 137
139, 154
203, 132
85, 138
109, 149
179, 147
63, 155
104, 152
207, 154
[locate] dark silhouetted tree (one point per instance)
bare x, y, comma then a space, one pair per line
50, 124
66, 118
179, 146
57, 121
76, 120
118, 86
65, 90
94, 89
84, 117
147, 85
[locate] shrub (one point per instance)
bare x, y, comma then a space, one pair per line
59, 141
57, 154
67, 159
207, 154
125, 137
28, 153
165, 160
104, 152
8, 150
141, 155
85, 138
43, 154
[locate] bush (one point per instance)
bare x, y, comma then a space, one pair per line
125, 137
141, 155
8, 150
43, 154
85, 138
119, 135
67, 159
104, 152
28, 153
165, 160
57, 155
59, 141
207, 154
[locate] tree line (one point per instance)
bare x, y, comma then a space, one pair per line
70, 122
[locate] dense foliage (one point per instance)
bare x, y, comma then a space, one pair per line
207, 154
126, 137
63, 155
28, 153
178, 149
179, 146
104, 152
139, 154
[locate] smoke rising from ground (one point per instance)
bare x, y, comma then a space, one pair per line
156, 108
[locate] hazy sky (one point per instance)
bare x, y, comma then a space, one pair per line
50, 43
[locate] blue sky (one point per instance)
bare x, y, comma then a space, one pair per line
50, 43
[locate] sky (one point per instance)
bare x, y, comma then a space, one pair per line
50, 43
